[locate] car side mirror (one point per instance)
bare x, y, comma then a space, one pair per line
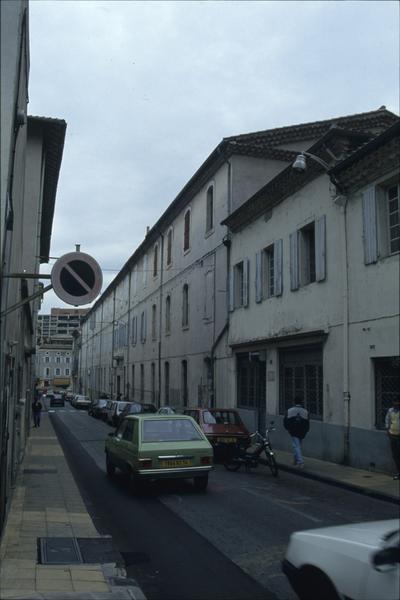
386, 559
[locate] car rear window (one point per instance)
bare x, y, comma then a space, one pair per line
221, 417
170, 430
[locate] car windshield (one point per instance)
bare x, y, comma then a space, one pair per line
221, 417
170, 430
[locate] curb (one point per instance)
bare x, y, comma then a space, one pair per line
342, 484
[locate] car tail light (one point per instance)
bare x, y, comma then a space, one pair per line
145, 463
206, 460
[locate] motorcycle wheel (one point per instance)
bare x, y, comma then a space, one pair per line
272, 464
231, 463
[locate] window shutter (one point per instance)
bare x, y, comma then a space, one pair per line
258, 277
278, 265
246, 282
320, 249
144, 325
231, 290
294, 260
369, 226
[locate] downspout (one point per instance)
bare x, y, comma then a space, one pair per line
112, 351
160, 319
128, 333
346, 376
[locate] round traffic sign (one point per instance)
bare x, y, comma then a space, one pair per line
76, 278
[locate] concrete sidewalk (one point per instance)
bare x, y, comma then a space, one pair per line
371, 483
47, 504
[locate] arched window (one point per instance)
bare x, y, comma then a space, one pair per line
186, 233
169, 246
168, 314
155, 261
185, 306
210, 209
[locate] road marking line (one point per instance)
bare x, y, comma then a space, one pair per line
279, 503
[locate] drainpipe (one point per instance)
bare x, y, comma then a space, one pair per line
342, 202
160, 319
128, 334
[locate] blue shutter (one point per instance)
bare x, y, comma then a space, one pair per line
294, 260
246, 282
258, 277
320, 249
278, 267
369, 226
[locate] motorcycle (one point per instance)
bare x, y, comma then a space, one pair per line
259, 452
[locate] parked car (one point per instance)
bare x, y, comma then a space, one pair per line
55, 399
152, 446
113, 415
135, 408
222, 426
80, 401
169, 410
69, 396
96, 407
359, 561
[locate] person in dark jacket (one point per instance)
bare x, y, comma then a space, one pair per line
297, 423
37, 412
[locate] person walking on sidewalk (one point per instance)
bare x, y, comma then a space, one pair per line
297, 423
392, 422
37, 412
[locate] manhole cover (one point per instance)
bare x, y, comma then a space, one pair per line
59, 551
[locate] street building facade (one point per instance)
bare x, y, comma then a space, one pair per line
233, 299
315, 298
31, 153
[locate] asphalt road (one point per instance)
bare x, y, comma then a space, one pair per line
225, 543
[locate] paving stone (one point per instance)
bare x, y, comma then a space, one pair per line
18, 584
90, 586
47, 585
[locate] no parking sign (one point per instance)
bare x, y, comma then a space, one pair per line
76, 278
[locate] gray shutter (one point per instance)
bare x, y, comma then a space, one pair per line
294, 260
320, 249
246, 282
258, 277
145, 326
231, 283
278, 266
369, 226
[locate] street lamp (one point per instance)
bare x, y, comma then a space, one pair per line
300, 165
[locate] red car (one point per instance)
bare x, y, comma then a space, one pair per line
222, 426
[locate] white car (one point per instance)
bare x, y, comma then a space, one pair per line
360, 561
80, 401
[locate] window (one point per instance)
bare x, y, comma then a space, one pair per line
168, 314
185, 306
127, 433
166, 383
58, 371
186, 232
133, 381
301, 375
308, 254
387, 386
141, 383
155, 261
239, 295
208, 295
184, 375
169, 247
58, 360
153, 383
67, 371
392, 195
47, 372
144, 273
210, 209
134, 330
154, 321
67, 360
381, 228
47, 359
251, 384
143, 326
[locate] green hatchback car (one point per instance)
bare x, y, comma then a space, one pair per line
153, 446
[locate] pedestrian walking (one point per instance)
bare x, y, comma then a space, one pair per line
37, 412
297, 423
392, 422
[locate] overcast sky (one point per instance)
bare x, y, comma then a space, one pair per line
149, 89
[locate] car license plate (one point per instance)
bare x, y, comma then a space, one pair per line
176, 463
227, 440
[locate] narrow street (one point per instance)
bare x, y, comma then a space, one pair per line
226, 543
